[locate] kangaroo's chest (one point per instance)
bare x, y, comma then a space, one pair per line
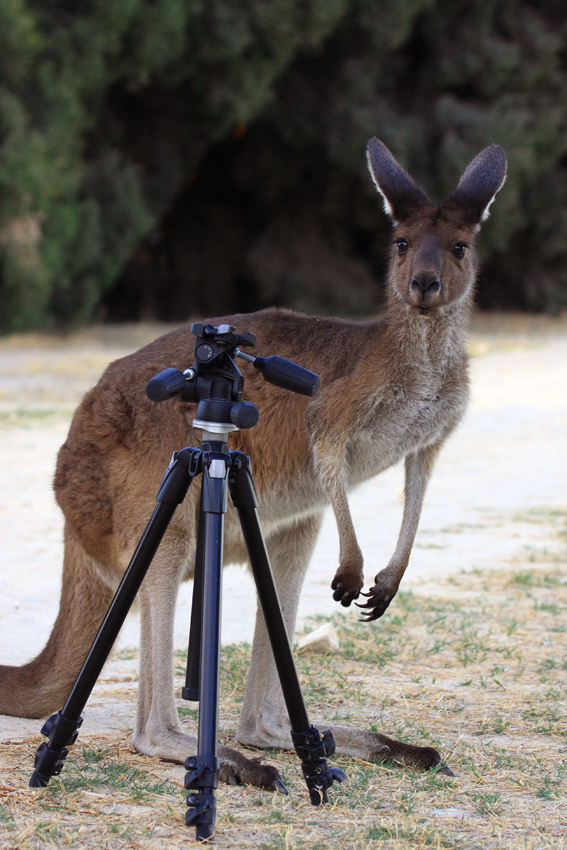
401, 425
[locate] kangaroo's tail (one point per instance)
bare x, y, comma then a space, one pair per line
42, 686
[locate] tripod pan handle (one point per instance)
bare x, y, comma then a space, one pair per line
165, 385
288, 375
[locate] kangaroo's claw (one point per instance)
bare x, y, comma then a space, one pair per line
377, 604
279, 786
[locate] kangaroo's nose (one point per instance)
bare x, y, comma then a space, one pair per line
425, 282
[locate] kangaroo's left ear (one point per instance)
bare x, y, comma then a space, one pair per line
477, 188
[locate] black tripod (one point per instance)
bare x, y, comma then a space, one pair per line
217, 385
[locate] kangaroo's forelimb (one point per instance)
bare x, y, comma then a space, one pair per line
418, 468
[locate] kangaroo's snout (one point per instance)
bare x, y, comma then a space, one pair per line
425, 283
424, 290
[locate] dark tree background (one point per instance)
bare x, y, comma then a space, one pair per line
169, 158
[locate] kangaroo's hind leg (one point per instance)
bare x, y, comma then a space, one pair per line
264, 721
158, 730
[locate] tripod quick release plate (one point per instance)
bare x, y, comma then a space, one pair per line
213, 342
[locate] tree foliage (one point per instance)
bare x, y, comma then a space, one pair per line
168, 157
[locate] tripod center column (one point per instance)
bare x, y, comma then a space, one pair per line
204, 774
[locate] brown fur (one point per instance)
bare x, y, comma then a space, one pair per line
390, 389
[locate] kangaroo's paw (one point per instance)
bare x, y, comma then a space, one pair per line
379, 597
347, 584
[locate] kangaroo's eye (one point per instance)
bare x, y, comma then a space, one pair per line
459, 250
402, 246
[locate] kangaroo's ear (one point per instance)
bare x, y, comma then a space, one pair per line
401, 195
479, 184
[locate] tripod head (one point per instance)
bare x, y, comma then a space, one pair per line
216, 383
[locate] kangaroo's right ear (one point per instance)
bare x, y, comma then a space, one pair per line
400, 194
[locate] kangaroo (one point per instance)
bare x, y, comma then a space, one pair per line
390, 389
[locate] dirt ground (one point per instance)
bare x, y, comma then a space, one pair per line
496, 502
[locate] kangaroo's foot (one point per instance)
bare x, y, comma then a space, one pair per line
358, 743
373, 746
235, 768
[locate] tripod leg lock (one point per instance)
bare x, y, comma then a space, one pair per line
202, 778
242, 490
312, 748
202, 813
49, 758
184, 466
202, 772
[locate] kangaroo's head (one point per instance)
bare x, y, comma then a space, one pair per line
434, 261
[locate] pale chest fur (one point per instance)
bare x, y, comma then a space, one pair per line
397, 423
404, 419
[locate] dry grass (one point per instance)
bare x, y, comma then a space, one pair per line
479, 672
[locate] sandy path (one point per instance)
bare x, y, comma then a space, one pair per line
497, 497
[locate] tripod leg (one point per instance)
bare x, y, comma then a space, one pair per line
62, 728
191, 690
310, 746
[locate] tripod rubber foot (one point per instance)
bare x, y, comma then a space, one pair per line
318, 785
204, 833
38, 780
